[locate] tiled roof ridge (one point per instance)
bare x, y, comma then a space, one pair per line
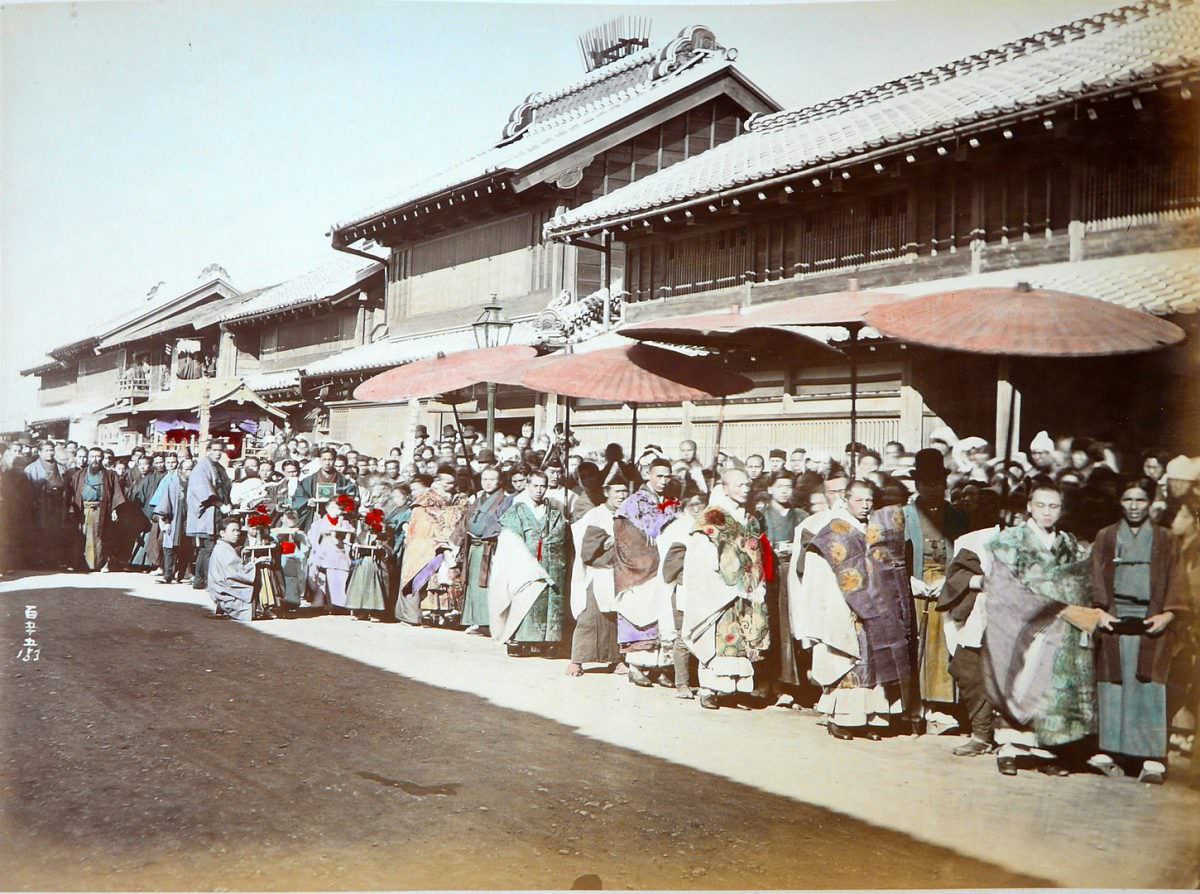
620, 96
539, 99
526, 137
1077, 29
339, 273
692, 44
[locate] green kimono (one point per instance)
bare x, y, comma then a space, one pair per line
1066, 709
547, 539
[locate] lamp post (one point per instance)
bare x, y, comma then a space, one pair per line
492, 331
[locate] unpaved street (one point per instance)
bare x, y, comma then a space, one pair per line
150, 747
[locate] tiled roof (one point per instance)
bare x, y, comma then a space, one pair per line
335, 275
73, 410
272, 381
191, 319
1144, 41
157, 298
1163, 283
392, 352
548, 123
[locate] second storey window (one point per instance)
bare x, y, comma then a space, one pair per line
310, 332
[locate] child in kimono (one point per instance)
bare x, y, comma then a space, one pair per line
293, 558
368, 586
329, 556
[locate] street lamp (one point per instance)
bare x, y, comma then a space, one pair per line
492, 331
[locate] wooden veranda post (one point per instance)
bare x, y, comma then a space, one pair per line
205, 416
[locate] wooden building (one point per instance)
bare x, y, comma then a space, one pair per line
476, 230
207, 350
1069, 159
170, 336
284, 328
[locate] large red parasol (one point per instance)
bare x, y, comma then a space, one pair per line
448, 372
1022, 322
772, 326
637, 374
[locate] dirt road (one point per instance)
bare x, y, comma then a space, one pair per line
151, 748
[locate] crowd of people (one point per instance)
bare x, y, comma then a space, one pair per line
1042, 606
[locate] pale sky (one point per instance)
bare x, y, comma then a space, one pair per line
141, 142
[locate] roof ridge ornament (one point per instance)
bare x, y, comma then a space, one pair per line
522, 116
615, 39
692, 42
212, 271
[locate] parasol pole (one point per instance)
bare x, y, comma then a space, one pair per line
1004, 373
567, 431
853, 397
717, 448
458, 425
491, 415
633, 435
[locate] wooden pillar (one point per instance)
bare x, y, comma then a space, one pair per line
205, 414
912, 411
685, 431
360, 321
413, 418
550, 418
1008, 409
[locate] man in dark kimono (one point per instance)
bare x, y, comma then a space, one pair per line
311, 492
483, 527
1136, 582
94, 495
148, 549
208, 495
931, 525
51, 533
781, 669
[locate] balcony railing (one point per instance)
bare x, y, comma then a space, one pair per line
134, 383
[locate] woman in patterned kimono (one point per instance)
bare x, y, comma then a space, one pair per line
543, 530
268, 576
329, 554
726, 570
367, 590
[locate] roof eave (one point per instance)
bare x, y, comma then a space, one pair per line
379, 219
42, 368
332, 298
